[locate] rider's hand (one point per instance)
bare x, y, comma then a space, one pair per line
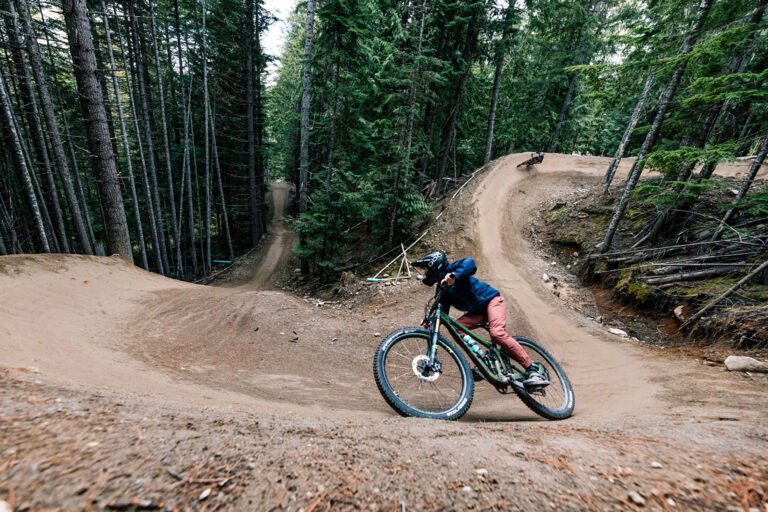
448, 280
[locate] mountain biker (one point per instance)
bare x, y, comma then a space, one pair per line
480, 302
536, 158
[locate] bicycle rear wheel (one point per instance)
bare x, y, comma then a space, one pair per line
554, 402
412, 389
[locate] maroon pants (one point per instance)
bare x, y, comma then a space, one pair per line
496, 318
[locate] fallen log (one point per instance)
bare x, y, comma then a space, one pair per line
624, 252
725, 294
692, 276
669, 268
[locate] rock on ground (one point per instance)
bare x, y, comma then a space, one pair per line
745, 364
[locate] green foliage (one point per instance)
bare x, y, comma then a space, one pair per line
372, 47
389, 78
662, 195
754, 204
672, 162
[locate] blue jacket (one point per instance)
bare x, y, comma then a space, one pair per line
467, 293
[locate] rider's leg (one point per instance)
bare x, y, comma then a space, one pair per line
471, 320
497, 323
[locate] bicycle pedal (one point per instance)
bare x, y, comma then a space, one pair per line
537, 390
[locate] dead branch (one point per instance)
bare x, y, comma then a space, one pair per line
624, 252
725, 294
691, 276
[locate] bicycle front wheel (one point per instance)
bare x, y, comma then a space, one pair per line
554, 402
411, 388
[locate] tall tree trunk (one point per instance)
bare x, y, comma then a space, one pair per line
99, 143
3, 250
500, 50
124, 133
405, 166
227, 234
563, 112
650, 139
746, 125
59, 237
304, 133
749, 179
166, 146
50, 230
53, 129
196, 174
304, 139
253, 185
8, 221
207, 262
449, 134
181, 100
262, 173
68, 137
628, 132
102, 75
334, 110
188, 172
431, 123
581, 56
187, 165
145, 177
146, 114
5, 105
738, 66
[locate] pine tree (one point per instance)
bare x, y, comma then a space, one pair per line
91, 99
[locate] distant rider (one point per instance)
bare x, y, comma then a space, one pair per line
482, 303
536, 158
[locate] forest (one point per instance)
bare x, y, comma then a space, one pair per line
151, 129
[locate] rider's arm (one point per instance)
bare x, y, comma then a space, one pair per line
463, 268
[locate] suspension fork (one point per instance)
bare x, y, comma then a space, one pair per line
434, 332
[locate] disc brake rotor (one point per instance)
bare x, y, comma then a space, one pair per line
419, 363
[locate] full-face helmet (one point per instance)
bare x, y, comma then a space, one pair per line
434, 263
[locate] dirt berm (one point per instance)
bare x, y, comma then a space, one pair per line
128, 390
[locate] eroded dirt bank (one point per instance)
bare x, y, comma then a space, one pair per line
121, 385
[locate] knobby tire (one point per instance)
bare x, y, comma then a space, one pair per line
455, 410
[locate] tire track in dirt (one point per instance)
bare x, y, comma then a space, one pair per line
99, 323
611, 377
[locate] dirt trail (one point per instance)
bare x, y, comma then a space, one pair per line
258, 270
241, 344
126, 387
609, 378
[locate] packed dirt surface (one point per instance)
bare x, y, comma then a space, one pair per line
260, 268
125, 390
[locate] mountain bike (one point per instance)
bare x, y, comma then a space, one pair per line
421, 373
535, 159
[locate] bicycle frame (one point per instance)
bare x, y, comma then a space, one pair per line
456, 330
